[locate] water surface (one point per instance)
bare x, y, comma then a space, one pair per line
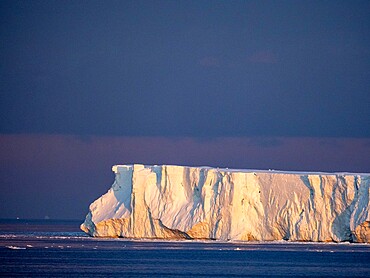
34, 248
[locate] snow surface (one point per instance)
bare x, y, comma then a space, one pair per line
177, 202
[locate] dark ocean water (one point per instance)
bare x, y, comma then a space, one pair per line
31, 248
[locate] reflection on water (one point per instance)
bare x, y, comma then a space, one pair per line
59, 248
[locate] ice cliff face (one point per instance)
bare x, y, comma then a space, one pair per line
208, 203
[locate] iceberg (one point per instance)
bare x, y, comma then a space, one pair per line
178, 202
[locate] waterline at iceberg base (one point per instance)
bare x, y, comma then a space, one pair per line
177, 202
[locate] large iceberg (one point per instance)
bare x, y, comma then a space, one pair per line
174, 202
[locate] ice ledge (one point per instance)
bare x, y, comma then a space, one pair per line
116, 168
202, 202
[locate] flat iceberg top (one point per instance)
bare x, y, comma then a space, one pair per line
269, 171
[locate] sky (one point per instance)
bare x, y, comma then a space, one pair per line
85, 85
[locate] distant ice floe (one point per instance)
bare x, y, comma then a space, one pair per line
15, 247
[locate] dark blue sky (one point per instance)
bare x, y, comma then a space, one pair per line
186, 68
85, 85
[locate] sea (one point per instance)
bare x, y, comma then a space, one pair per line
56, 248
